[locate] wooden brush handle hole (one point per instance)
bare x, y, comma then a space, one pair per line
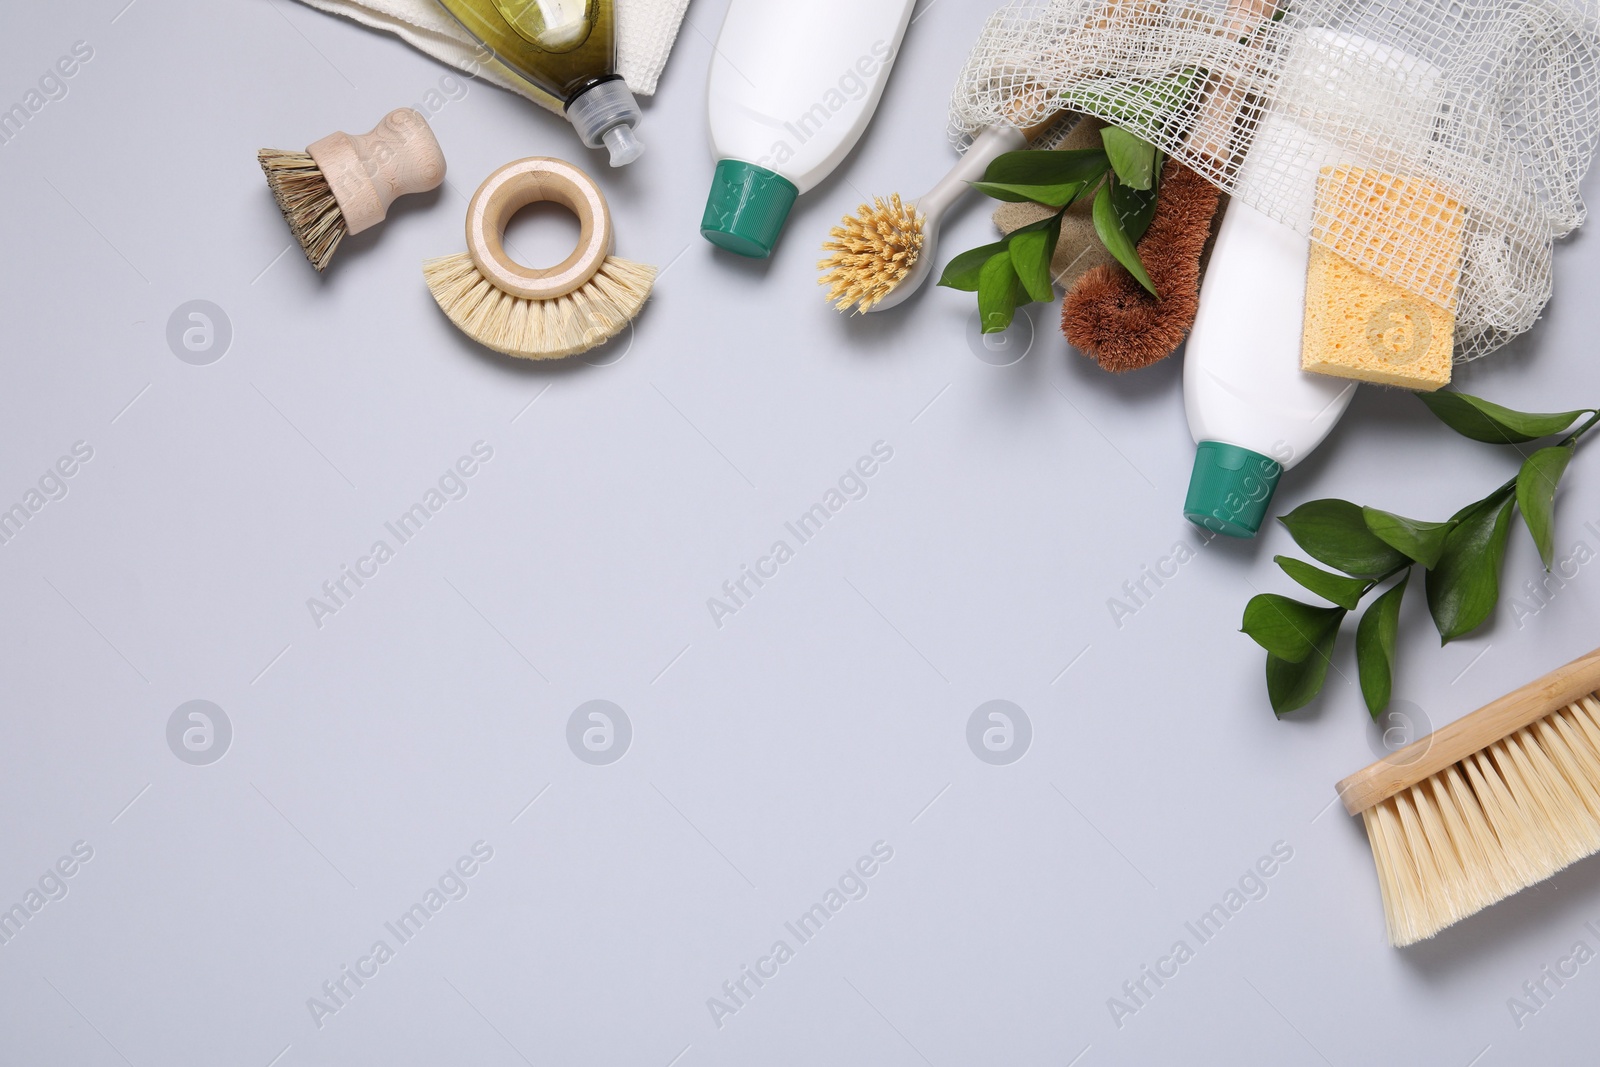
513, 187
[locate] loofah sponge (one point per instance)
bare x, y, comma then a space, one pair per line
1363, 326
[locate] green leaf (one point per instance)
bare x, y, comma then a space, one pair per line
997, 293
1133, 159
1536, 495
1334, 532
1463, 588
1291, 686
1289, 629
1345, 592
1474, 417
1135, 207
962, 271
1150, 104
1375, 643
1417, 540
1108, 224
1031, 166
1030, 256
1048, 195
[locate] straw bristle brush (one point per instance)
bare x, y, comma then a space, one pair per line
1489, 805
538, 313
883, 253
344, 183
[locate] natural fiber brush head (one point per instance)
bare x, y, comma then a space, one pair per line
871, 252
307, 202
539, 329
1109, 317
1507, 816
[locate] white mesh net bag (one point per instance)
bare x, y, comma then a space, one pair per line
1437, 144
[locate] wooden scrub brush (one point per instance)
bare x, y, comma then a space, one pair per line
538, 313
344, 183
1489, 805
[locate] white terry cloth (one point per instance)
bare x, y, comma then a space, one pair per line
646, 30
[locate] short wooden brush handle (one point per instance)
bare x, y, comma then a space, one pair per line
1427, 756
531, 181
368, 171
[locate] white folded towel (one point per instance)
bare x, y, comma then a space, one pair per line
646, 30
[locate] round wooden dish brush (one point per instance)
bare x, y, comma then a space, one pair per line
344, 183
538, 313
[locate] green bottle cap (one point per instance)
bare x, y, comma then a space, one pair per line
1230, 489
747, 208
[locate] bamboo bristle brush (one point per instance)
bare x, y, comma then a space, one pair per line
344, 183
883, 253
1489, 805
538, 313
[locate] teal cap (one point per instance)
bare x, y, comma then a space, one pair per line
747, 208
1230, 489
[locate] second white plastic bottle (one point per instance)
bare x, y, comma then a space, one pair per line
1253, 412
793, 86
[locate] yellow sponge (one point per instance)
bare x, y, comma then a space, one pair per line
1358, 322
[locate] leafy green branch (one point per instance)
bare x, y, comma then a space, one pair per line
1121, 177
1460, 557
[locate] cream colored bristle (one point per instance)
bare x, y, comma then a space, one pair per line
307, 202
539, 329
1496, 822
870, 253
1580, 764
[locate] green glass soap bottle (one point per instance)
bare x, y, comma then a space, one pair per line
567, 51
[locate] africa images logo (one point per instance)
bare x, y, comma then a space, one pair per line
599, 732
999, 732
199, 732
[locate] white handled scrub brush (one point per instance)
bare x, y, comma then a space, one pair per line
879, 256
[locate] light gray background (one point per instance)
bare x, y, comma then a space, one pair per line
828, 714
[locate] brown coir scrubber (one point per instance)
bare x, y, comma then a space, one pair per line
1109, 316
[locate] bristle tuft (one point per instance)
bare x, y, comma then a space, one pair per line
539, 329
1500, 820
870, 253
1109, 316
307, 202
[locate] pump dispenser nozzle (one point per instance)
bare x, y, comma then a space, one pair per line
564, 52
624, 146
606, 115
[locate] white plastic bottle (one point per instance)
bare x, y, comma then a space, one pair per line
1252, 411
793, 86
